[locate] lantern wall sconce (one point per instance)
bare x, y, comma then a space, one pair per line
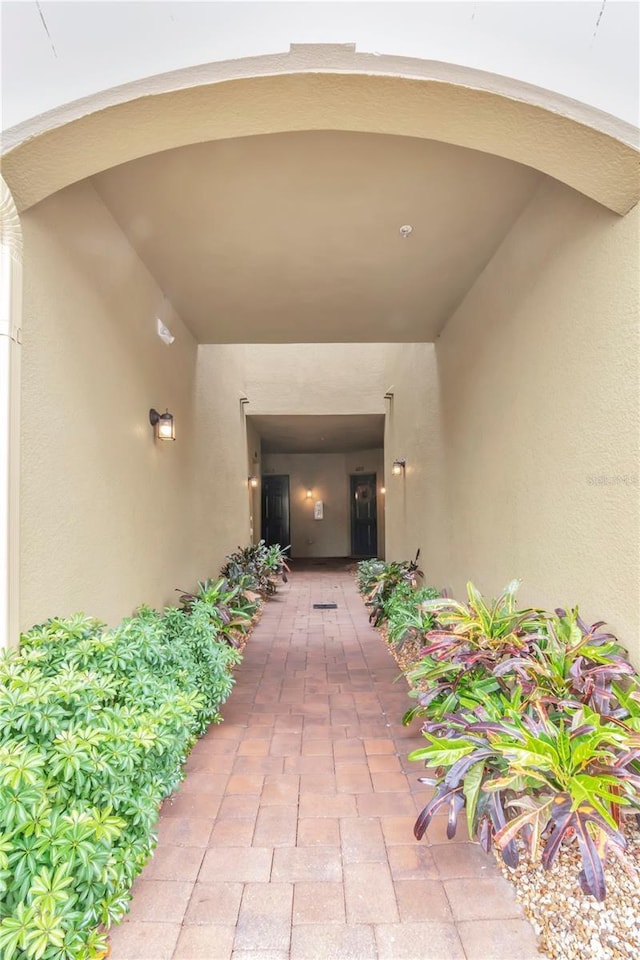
309, 494
398, 467
253, 482
383, 489
164, 424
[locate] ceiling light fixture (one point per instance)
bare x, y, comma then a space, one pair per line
406, 230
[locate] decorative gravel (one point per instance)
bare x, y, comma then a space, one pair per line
571, 925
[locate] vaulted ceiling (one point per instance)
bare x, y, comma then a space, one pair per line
295, 237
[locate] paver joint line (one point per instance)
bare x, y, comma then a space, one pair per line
291, 836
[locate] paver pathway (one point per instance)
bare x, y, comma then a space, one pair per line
291, 836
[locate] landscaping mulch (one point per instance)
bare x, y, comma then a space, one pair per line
570, 925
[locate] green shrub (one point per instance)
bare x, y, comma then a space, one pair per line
378, 581
257, 568
95, 725
407, 613
367, 573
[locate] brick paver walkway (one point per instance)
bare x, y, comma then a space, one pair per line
291, 836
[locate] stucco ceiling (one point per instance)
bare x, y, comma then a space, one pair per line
295, 237
319, 434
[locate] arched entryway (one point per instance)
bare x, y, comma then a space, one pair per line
310, 91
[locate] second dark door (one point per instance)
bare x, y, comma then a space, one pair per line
364, 516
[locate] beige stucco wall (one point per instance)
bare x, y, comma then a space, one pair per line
110, 518
539, 379
327, 476
313, 378
416, 516
533, 388
222, 502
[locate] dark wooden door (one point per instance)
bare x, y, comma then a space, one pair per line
364, 516
275, 511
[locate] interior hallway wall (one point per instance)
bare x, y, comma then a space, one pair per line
105, 510
538, 372
327, 476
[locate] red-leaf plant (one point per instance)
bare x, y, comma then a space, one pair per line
525, 774
569, 664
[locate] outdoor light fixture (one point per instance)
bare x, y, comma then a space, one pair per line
398, 466
253, 482
383, 489
163, 423
164, 333
309, 494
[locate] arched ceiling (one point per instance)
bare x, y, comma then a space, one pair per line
327, 88
295, 237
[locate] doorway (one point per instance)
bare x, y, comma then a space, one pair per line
364, 516
275, 510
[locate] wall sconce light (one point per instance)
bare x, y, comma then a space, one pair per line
253, 482
309, 494
398, 466
164, 333
163, 423
383, 489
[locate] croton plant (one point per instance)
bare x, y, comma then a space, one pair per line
532, 723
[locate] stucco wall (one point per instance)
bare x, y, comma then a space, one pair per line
109, 518
222, 502
327, 476
313, 378
533, 388
417, 517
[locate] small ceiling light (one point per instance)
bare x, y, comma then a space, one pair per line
163, 423
398, 466
253, 482
406, 230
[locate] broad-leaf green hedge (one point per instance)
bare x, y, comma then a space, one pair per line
95, 726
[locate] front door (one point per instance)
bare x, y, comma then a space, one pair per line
275, 511
364, 516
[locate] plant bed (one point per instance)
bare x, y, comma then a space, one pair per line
532, 723
95, 728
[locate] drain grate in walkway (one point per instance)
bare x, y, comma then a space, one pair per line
325, 606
